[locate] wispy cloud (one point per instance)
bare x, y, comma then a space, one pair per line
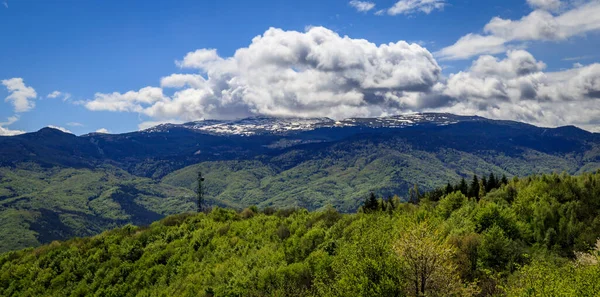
539, 25
57, 94
362, 6
579, 58
8, 132
74, 124
5, 4
414, 6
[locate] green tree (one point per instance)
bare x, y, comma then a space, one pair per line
474, 188
463, 187
426, 262
371, 204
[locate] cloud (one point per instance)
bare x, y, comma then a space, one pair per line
65, 130
57, 94
319, 73
20, 94
183, 80
550, 5
5, 3
471, 45
539, 25
8, 132
518, 88
579, 58
414, 6
362, 6
287, 73
103, 131
131, 101
74, 124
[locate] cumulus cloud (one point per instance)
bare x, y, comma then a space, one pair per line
518, 88
58, 94
21, 96
362, 6
287, 73
103, 131
65, 130
414, 6
539, 25
319, 73
8, 132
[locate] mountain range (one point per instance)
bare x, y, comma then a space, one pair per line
55, 185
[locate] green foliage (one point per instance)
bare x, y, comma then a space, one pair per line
41, 205
535, 236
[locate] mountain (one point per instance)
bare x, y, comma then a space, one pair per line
55, 185
284, 126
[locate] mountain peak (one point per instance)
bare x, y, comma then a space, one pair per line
262, 124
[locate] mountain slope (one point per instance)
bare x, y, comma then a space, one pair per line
55, 185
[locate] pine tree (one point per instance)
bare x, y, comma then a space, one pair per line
200, 192
449, 189
474, 188
504, 180
371, 204
463, 187
491, 183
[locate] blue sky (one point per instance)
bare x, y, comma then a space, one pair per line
85, 48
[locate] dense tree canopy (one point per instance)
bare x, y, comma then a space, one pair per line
535, 236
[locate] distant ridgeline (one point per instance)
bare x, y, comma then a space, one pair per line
532, 236
55, 186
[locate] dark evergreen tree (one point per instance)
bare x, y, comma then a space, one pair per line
474, 188
491, 183
484, 184
449, 189
371, 204
200, 192
504, 180
463, 187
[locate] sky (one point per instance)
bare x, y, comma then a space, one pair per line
117, 66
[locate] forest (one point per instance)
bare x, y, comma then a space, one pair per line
489, 236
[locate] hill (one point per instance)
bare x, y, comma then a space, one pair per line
533, 236
55, 185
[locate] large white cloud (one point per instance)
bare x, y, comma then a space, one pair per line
321, 74
540, 25
21, 96
287, 73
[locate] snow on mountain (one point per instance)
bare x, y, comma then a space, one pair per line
272, 125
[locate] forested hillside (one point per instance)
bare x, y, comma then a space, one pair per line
55, 185
534, 236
